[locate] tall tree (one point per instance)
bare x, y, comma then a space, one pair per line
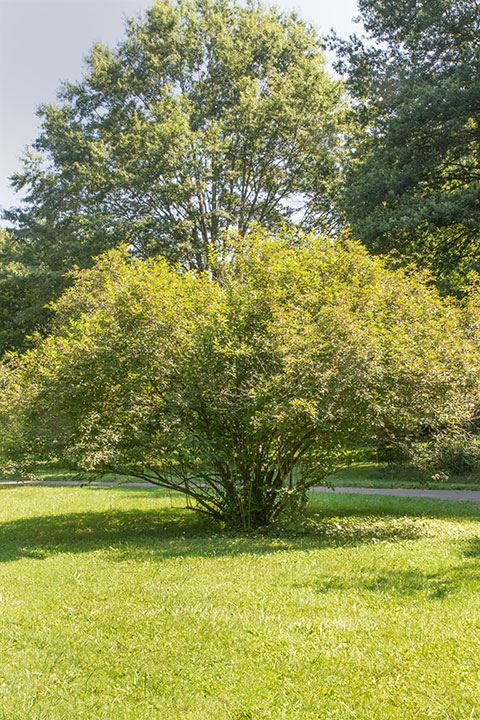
209, 115
413, 183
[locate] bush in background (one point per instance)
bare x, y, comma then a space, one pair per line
450, 452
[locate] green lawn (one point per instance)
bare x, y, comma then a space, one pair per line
119, 603
382, 475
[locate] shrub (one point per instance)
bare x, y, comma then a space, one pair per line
241, 387
450, 452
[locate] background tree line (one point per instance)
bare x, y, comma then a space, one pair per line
211, 115
412, 180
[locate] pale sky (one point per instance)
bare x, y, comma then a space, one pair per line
43, 42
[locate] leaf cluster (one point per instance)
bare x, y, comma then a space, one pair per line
412, 181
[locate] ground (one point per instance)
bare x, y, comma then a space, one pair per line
382, 475
120, 603
360, 474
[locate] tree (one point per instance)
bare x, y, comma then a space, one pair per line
210, 115
413, 181
243, 389
27, 284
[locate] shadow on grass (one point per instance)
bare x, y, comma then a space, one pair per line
168, 532
408, 583
414, 582
371, 505
171, 532
161, 529
472, 549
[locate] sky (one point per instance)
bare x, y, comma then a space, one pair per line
43, 42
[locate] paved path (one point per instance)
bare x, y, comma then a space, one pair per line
462, 495
465, 495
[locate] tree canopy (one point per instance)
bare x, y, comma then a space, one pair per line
243, 389
413, 182
209, 115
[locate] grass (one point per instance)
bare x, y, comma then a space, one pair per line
382, 475
361, 474
120, 603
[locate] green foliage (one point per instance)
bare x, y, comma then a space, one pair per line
413, 180
452, 452
243, 388
208, 116
27, 283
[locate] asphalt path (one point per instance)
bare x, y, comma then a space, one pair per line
462, 495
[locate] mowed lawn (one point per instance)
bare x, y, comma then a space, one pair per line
120, 603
